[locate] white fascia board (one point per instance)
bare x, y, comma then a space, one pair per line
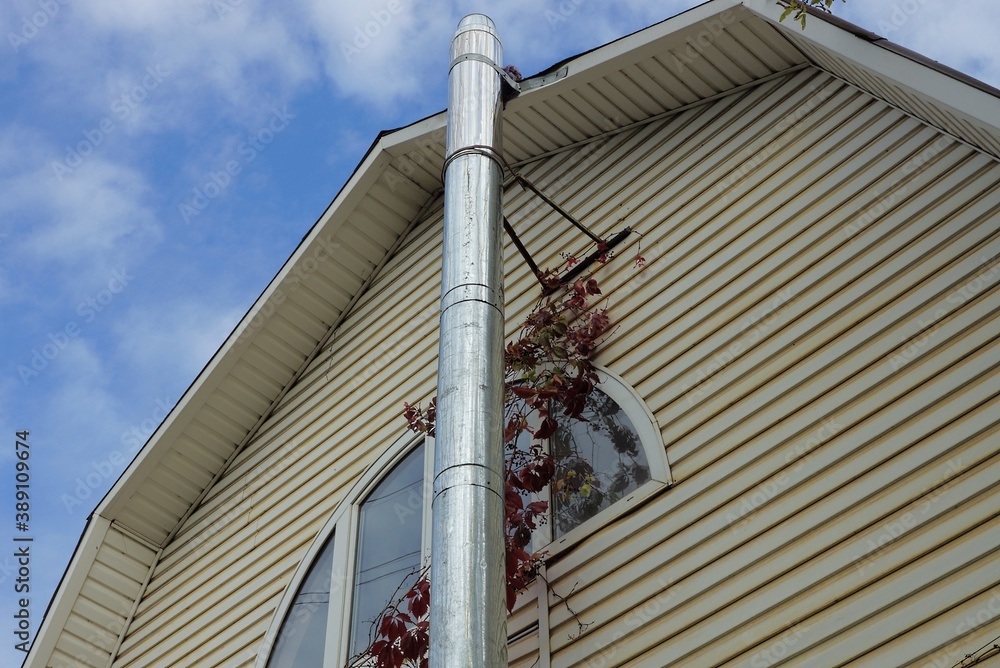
230, 353
400, 142
915, 77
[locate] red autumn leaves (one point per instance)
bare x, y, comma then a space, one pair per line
548, 368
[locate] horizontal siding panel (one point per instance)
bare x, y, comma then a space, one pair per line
911, 596
291, 335
141, 505
89, 639
278, 349
182, 478
523, 651
314, 325
166, 499
257, 379
216, 431
111, 621
771, 45
968, 624
250, 398
692, 600
379, 234
305, 297
416, 175
132, 567
233, 414
388, 216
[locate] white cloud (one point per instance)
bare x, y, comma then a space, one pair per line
84, 218
79, 399
221, 61
361, 43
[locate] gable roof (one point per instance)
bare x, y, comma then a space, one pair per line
710, 51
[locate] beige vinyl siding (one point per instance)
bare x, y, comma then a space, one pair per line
819, 387
762, 333
909, 100
522, 630
263, 514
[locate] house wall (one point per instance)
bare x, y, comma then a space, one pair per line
813, 331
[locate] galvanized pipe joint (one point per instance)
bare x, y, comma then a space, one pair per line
468, 581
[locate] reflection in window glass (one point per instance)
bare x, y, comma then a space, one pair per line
389, 534
599, 460
302, 637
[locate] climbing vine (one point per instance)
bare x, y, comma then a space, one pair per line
799, 9
549, 375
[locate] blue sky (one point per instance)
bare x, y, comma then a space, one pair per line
159, 161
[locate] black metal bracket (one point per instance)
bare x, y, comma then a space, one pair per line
604, 248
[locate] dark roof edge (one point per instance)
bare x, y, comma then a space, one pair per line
900, 50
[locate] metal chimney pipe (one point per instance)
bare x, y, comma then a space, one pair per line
468, 581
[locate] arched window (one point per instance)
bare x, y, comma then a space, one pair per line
342, 587
604, 464
388, 559
599, 460
302, 639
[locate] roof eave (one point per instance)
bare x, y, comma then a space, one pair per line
907, 69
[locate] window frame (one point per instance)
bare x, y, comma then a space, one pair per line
344, 522
651, 441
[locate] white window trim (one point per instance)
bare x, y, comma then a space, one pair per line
344, 522
656, 456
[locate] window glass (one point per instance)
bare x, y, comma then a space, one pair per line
302, 638
599, 460
388, 557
